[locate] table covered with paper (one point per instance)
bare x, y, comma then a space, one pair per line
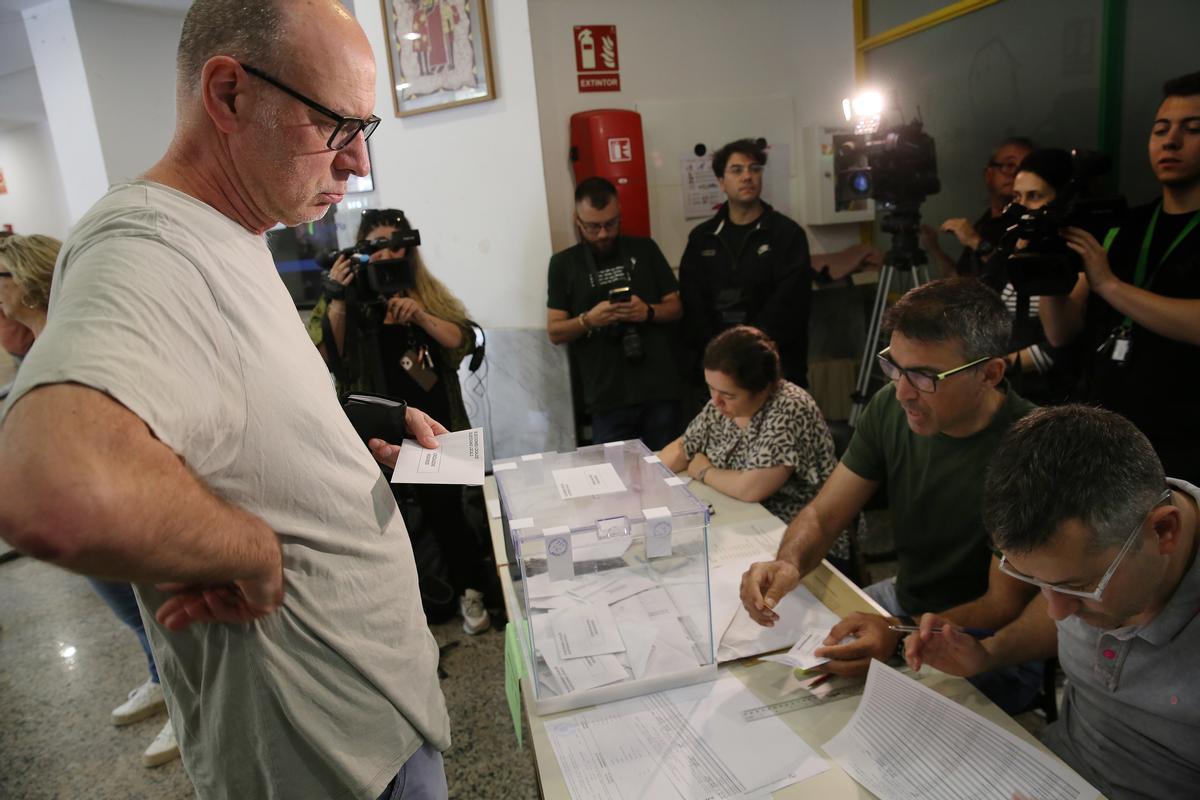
760, 731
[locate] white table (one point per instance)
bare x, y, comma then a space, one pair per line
814, 725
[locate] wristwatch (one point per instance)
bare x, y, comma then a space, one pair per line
985, 248
649, 313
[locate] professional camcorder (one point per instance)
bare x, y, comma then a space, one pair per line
897, 167
1044, 265
373, 279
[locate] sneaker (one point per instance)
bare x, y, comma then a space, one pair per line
143, 701
164, 748
475, 616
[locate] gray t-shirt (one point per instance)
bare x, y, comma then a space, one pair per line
1130, 721
177, 312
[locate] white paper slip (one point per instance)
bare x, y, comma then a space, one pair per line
798, 611
624, 584
906, 740
588, 630
683, 744
801, 655
587, 481
493, 507
579, 674
458, 459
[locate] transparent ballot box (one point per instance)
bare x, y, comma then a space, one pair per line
610, 574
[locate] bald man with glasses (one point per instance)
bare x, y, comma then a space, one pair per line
1079, 507
979, 238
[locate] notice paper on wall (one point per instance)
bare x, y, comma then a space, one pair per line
587, 481
685, 743
458, 459
906, 740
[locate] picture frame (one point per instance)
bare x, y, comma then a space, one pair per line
439, 54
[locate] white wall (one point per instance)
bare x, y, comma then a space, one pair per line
736, 68
470, 178
35, 201
133, 97
62, 77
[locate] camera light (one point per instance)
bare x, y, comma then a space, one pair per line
865, 110
868, 104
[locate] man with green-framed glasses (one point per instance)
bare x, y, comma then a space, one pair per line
1075, 502
928, 436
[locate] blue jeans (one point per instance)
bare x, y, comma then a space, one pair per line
1012, 688
423, 777
655, 423
120, 598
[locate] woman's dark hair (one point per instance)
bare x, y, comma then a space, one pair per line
375, 217
1052, 165
745, 354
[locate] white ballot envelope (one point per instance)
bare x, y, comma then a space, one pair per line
458, 459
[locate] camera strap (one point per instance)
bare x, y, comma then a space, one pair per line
589, 259
1140, 278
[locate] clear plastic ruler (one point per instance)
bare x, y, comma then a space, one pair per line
803, 701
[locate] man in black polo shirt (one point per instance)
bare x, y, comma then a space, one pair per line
613, 298
1138, 304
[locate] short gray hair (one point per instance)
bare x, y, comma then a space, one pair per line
252, 31
954, 309
1071, 462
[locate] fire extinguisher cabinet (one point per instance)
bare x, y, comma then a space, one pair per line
607, 142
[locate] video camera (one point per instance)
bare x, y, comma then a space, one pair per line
1045, 265
897, 167
382, 278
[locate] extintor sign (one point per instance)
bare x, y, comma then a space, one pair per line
596, 58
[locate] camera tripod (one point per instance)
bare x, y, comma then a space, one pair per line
906, 266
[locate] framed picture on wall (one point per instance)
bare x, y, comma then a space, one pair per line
439, 55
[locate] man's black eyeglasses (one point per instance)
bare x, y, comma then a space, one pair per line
919, 379
1007, 167
5, 274
347, 127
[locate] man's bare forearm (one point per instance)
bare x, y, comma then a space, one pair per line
805, 542
92, 491
1032, 636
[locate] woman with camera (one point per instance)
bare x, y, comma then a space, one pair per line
760, 438
26, 269
1039, 372
407, 344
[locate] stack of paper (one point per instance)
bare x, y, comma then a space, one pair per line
907, 741
684, 744
608, 627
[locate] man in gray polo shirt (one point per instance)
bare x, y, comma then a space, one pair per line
1077, 502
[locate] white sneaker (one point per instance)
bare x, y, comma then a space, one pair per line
475, 616
143, 701
164, 748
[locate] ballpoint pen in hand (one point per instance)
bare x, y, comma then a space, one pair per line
978, 633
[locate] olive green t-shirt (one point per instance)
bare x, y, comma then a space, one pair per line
935, 493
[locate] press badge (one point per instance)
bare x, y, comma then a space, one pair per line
419, 366
1117, 345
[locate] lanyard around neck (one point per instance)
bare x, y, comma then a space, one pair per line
1140, 279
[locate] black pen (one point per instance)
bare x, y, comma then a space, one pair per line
978, 633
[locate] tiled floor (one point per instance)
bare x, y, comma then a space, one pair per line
65, 662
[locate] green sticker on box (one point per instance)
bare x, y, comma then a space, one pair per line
514, 669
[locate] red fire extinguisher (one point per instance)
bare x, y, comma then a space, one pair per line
607, 143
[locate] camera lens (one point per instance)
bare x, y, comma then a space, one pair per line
860, 182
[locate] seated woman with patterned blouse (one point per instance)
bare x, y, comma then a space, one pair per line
761, 438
